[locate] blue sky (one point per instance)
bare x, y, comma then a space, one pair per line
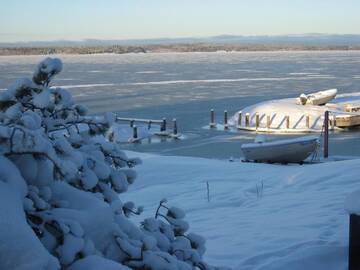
29, 20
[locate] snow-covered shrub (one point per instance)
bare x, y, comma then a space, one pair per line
59, 190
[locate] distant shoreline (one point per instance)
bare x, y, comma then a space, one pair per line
176, 48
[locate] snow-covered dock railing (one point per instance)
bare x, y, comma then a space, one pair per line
162, 127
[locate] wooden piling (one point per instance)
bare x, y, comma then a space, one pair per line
268, 123
163, 125
226, 120
307, 121
212, 119
326, 134
135, 132
247, 119
257, 121
175, 131
287, 119
354, 242
333, 122
239, 118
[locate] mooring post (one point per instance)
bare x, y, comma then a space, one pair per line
163, 125
212, 119
247, 119
354, 242
287, 121
333, 122
226, 120
307, 121
174, 127
239, 118
132, 123
268, 121
326, 134
135, 132
257, 121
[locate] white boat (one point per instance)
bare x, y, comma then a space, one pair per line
294, 150
317, 98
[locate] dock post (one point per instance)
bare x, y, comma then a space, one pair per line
247, 119
212, 119
135, 132
354, 242
174, 127
226, 120
257, 121
333, 122
163, 125
307, 121
326, 134
239, 118
268, 121
287, 122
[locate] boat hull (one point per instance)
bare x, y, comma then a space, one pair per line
285, 151
322, 97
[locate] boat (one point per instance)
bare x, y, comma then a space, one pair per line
317, 98
294, 150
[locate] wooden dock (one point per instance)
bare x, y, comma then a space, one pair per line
347, 121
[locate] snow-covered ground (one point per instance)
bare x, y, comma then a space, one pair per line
259, 216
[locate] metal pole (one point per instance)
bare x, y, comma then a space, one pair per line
174, 127
326, 134
354, 242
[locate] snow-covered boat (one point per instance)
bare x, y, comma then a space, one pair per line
317, 98
294, 150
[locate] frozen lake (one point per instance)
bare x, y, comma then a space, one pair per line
187, 85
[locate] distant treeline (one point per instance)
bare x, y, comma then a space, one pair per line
202, 47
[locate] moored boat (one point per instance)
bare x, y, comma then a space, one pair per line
294, 150
317, 98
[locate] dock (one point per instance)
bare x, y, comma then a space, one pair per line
347, 121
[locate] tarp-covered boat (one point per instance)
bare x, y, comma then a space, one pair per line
294, 150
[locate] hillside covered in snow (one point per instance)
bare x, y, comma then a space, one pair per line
259, 216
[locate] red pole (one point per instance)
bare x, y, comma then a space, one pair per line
326, 135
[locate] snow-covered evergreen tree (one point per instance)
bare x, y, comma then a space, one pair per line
59, 190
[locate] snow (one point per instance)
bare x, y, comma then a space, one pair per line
352, 203
260, 216
95, 262
15, 234
279, 109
